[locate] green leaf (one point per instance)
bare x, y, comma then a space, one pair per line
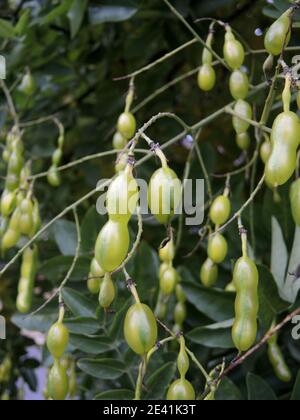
270, 303
158, 383
216, 304
116, 394
258, 389
108, 12
213, 336
23, 23
92, 345
279, 258
81, 325
79, 305
292, 284
110, 369
56, 12
76, 15
228, 391
296, 390
117, 324
269, 289
56, 268
146, 266
90, 228
281, 5
40, 322
208, 7
65, 236
6, 29
271, 13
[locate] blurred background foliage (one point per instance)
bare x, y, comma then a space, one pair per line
74, 49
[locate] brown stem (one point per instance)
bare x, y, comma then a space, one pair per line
265, 339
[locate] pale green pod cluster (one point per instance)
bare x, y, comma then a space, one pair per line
245, 278
181, 389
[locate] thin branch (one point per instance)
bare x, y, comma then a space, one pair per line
204, 170
159, 61
136, 243
194, 33
85, 159
10, 103
48, 225
169, 143
189, 352
244, 206
70, 271
265, 339
240, 170
248, 120
186, 174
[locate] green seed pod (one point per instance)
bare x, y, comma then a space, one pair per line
206, 77
12, 182
183, 363
180, 313
15, 163
56, 157
127, 125
26, 217
119, 141
168, 281
96, 270
5, 155
180, 295
163, 267
8, 203
220, 210
278, 35
36, 217
217, 248
167, 253
122, 196
26, 282
207, 56
93, 284
295, 201
140, 328
243, 141
121, 164
245, 279
276, 359
27, 85
3, 227
209, 273
239, 85
181, 390
107, 292
234, 53
54, 177
58, 386
112, 246
164, 194
161, 310
10, 239
265, 151
12, 235
285, 140
58, 340
243, 109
